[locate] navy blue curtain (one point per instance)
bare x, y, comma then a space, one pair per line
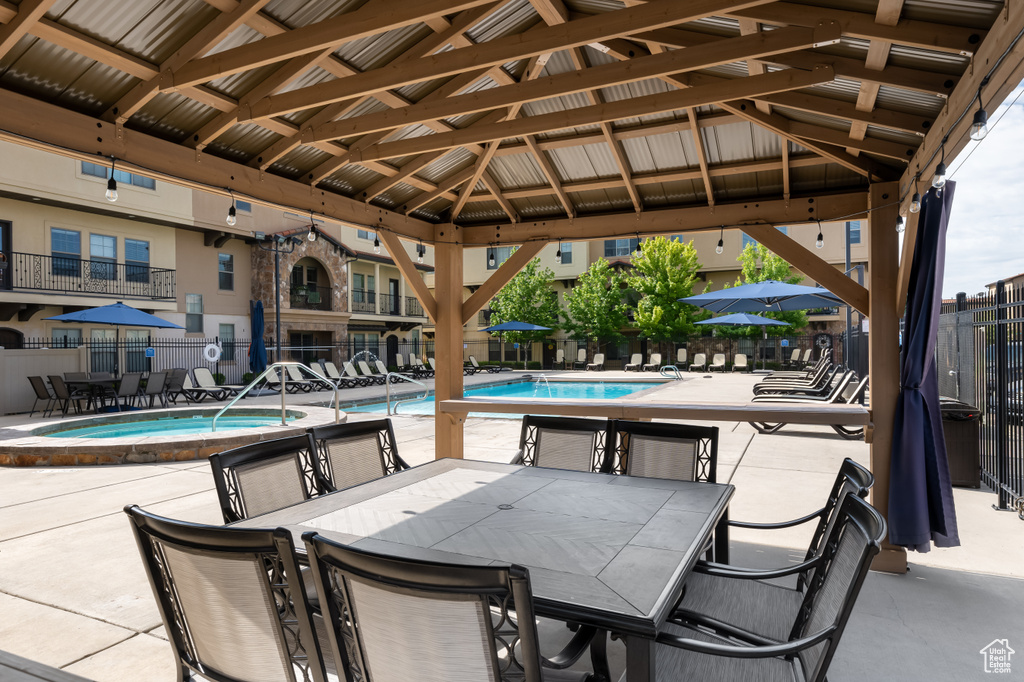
257, 349
920, 494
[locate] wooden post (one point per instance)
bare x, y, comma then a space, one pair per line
884, 352
448, 346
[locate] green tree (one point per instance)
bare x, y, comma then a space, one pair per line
758, 264
595, 307
529, 297
664, 272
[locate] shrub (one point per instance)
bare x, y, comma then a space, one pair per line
247, 378
219, 378
533, 364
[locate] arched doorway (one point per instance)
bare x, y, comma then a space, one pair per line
11, 338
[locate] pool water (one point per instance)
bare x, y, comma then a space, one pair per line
559, 390
180, 426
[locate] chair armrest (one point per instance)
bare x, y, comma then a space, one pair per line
778, 524
690, 618
572, 651
726, 571
518, 459
760, 651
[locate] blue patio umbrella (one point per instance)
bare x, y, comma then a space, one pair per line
513, 326
118, 315
257, 349
745, 320
767, 296
921, 507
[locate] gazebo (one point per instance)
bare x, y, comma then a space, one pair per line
468, 124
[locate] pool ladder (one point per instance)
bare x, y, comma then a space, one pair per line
283, 379
671, 371
398, 376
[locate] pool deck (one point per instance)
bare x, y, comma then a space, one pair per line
73, 593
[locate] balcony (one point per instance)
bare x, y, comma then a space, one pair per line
364, 301
311, 297
385, 304
822, 312
36, 272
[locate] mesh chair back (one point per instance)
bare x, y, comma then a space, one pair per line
294, 375
232, 600
681, 452
331, 370
155, 383
566, 443
433, 365
204, 377
382, 368
740, 360
176, 380
456, 623
846, 557
350, 370
807, 354
559, 356
681, 356
365, 368
599, 359
473, 361
60, 389
350, 454
852, 479
129, 385
39, 386
101, 376
399, 359
76, 376
263, 477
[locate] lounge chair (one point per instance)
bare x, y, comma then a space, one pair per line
433, 367
428, 370
204, 379
492, 369
294, 384
739, 363
844, 393
681, 358
822, 385
807, 372
655, 364
717, 362
332, 373
808, 357
418, 367
383, 369
794, 359
375, 377
634, 363
572, 443
400, 363
42, 393
352, 375
699, 363
581, 359
198, 393
353, 453
559, 359
598, 364
467, 368
176, 386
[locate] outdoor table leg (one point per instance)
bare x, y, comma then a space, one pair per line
722, 539
639, 659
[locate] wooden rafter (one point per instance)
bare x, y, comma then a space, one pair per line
478, 171
505, 272
405, 265
624, 169
29, 12
550, 174
787, 164
702, 159
551, 11
754, 67
888, 13
495, 190
444, 186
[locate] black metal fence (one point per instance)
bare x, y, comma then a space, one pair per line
69, 274
980, 360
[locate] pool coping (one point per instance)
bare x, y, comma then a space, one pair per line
38, 449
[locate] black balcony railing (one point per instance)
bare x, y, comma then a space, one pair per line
413, 308
818, 312
389, 305
364, 301
74, 275
311, 297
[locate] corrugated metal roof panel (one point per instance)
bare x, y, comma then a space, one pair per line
601, 201
375, 51
94, 90
672, 151
299, 160
638, 155
242, 142
728, 143
295, 13
535, 208
483, 211
976, 13
516, 171
559, 62
667, 194
909, 101
448, 165
513, 17
585, 162
398, 195
574, 100
172, 117
353, 179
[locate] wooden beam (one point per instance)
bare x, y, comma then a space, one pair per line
478, 171
906, 262
500, 51
445, 185
720, 52
623, 164
502, 276
551, 11
884, 118
550, 174
32, 122
207, 37
786, 165
673, 221
891, 150
754, 67
922, 34
408, 269
810, 264
702, 160
883, 355
448, 380
495, 190
371, 19
610, 111
87, 46
29, 12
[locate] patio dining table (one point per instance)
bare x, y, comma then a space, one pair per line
603, 550
97, 390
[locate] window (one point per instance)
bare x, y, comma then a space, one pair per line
854, 226
619, 247
122, 177
136, 260
193, 313
103, 350
750, 240
66, 248
566, 253
500, 255
136, 342
243, 206
226, 271
364, 234
226, 335
103, 254
67, 338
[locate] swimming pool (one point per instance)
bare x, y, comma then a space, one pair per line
175, 426
558, 390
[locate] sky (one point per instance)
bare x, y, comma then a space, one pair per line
985, 241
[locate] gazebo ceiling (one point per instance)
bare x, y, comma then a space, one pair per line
403, 114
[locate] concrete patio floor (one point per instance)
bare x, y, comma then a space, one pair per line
73, 593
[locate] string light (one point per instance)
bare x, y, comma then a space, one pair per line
420, 250
376, 243
558, 253
915, 203
111, 193
979, 128
721, 243
639, 246
820, 241
232, 214
939, 179
490, 257
899, 224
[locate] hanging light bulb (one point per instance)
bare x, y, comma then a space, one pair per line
490, 258
915, 203
639, 245
111, 193
820, 241
721, 244
311, 235
558, 254
376, 244
232, 218
939, 179
420, 250
899, 224
979, 128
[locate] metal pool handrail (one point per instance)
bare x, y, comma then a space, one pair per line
403, 377
283, 376
671, 370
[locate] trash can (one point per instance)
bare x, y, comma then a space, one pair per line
961, 427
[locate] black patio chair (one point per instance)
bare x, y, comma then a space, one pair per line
570, 443
354, 453
691, 647
128, 390
717, 592
266, 476
63, 398
455, 623
156, 385
176, 386
42, 393
232, 600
